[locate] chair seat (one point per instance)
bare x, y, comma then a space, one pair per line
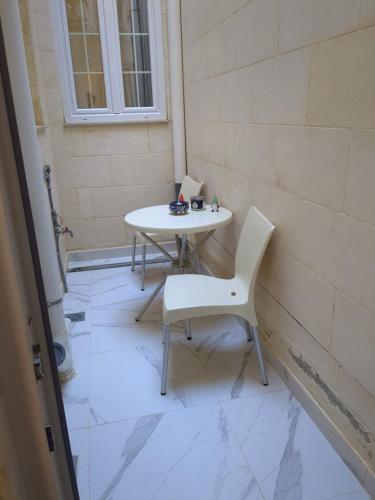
191, 295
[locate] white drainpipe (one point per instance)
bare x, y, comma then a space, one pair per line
35, 181
177, 89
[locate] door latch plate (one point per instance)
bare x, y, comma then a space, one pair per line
37, 362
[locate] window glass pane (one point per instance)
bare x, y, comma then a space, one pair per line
130, 90
127, 53
124, 16
77, 47
86, 53
135, 52
145, 89
74, 15
98, 99
76, 10
82, 91
94, 53
90, 16
90, 90
142, 50
132, 16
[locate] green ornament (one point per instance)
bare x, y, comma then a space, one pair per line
215, 204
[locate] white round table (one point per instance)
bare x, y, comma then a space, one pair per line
159, 221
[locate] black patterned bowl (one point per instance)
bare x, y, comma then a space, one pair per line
179, 207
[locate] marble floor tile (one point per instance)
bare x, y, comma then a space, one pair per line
114, 294
215, 324
123, 317
79, 296
109, 338
76, 394
184, 455
218, 434
126, 383
115, 287
80, 335
231, 364
103, 280
78, 278
355, 495
117, 329
80, 445
287, 453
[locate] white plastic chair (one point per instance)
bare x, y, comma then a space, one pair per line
189, 188
189, 296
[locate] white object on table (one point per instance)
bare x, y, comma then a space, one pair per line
158, 220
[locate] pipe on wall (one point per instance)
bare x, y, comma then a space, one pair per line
35, 180
176, 88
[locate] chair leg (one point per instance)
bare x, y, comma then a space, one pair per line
259, 351
133, 251
182, 253
166, 337
198, 261
249, 332
143, 267
188, 329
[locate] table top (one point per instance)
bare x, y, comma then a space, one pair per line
159, 220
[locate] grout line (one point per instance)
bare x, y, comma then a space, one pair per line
309, 200
332, 322
347, 165
307, 111
180, 409
318, 42
111, 186
335, 361
242, 451
360, 14
273, 57
270, 124
222, 21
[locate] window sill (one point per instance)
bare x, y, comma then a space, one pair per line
135, 118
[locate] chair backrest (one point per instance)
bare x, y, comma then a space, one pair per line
255, 234
190, 187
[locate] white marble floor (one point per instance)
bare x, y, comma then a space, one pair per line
217, 435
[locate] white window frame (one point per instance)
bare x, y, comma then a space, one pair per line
116, 112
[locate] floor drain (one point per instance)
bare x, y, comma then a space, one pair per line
76, 317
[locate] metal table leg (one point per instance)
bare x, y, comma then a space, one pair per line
183, 253
159, 247
151, 298
162, 281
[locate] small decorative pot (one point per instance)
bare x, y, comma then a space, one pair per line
179, 207
197, 203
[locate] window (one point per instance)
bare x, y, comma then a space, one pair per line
111, 59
